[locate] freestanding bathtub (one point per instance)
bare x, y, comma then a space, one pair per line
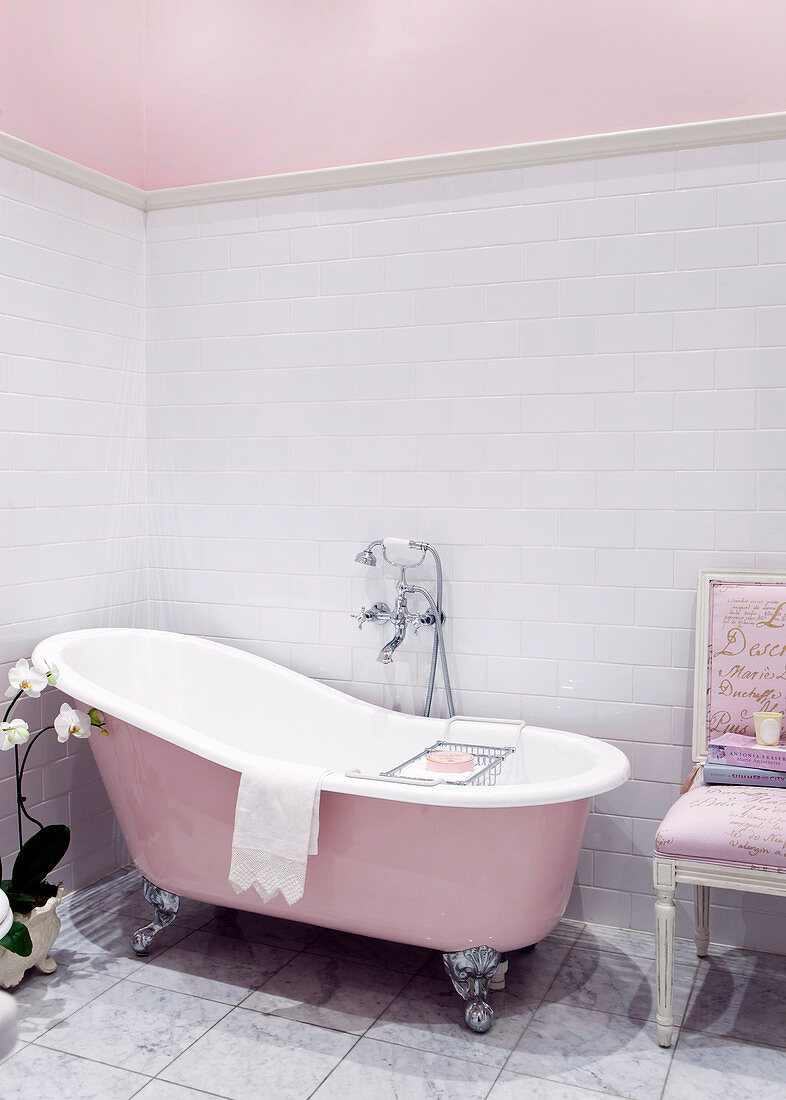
470, 871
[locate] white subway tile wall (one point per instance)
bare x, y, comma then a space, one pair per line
72, 470
565, 377
570, 378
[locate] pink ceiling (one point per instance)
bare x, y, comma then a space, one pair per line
169, 92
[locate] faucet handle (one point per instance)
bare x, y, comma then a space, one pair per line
371, 614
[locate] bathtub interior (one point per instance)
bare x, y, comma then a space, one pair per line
220, 697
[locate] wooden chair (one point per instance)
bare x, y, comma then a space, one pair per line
732, 837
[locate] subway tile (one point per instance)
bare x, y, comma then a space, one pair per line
634, 332
729, 409
517, 224
601, 373
596, 450
721, 328
602, 217
559, 336
521, 300
676, 290
443, 231
751, 203
641, 252
559, 259
721, 491
717, 165
331, 242
685, 209
672, 371
500, 264
579, 297
460, 303
717, 248
556, 182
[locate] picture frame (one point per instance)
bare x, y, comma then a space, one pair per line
740, 662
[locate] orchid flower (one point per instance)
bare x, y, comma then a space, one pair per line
52, 674
13, 733
98, 719
27, 678
71, 723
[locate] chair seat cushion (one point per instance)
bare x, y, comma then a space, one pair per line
741, 826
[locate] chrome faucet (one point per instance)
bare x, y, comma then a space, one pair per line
401, 617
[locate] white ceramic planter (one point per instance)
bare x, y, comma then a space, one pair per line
43, 925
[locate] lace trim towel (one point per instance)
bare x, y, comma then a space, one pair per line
276, 828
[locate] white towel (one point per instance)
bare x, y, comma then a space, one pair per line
276, 828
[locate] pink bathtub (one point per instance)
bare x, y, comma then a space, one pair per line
459, 869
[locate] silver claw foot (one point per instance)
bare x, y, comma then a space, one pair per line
165, 906
471, 973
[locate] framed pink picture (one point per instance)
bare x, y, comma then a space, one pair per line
740, 652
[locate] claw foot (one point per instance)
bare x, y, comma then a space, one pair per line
471, 973
165, 906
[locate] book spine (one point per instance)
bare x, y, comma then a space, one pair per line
754, 777
755, 758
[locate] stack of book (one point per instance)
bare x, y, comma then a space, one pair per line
735, 758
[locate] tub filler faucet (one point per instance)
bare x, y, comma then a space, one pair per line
401, 617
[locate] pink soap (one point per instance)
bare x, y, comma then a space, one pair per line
442, 760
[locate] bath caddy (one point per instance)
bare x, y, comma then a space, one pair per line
488, 762
472, 870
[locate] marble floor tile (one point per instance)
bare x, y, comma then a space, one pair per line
164, 1090
762, 964
616, 983
566, 931
101, 941
629, 941
135, 1025
261, 928
388, 1072
43, 1000
364, 949
706, 1068
512, 1086
28, 1075
254, 1055
328, 992
429, 1015
216, 967
18, 1045
742, 1006
593, 1050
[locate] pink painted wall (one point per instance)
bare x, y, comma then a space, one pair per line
247, 87
71, 80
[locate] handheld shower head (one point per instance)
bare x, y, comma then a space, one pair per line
365, 557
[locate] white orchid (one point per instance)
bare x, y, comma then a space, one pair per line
71, 723
27, 678
13, 733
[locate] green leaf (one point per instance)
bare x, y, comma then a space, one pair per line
17, 940
20, 901
38, 857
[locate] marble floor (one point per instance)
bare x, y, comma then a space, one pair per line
239, 1007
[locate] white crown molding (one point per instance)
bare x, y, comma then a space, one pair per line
727, 131
52, 164
689, 135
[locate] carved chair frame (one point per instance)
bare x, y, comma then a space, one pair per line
670, 873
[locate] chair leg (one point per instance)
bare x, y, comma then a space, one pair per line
702, 917
664, 954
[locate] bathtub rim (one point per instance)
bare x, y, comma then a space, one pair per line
611, 767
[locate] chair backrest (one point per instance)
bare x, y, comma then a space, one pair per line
740, 663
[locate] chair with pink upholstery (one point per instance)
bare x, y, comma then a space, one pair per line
732, 837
